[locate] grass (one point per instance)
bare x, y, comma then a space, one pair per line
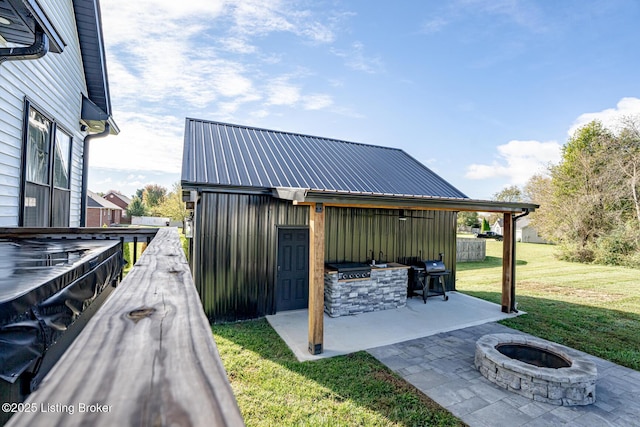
592, 308
588, 307
274, 389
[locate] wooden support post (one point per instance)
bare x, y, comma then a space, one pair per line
316, 278
508, 263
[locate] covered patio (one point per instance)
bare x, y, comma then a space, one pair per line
348, 334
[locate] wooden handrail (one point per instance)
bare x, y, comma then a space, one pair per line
147, 357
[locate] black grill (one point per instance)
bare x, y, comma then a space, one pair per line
351, 270
424, 277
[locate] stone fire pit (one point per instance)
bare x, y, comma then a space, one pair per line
537, 369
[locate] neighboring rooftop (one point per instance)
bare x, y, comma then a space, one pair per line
122, 197
95, 201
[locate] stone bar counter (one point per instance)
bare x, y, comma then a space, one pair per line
385, 289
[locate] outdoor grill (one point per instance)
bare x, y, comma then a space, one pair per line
423, 275
351, 270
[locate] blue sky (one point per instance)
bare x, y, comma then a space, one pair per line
485, 93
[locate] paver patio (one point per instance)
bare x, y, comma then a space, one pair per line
442, 367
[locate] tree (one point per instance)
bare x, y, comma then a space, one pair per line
581, 193
538, 190
468, 219
173, 207
509, 194
626, 152
589, 205
485, 225
154, 195
137, 208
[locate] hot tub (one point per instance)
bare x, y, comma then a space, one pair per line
48, 291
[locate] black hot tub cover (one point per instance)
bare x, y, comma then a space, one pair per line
44, 286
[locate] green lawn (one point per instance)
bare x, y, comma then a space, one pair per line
274, 389
592, 308
588, 307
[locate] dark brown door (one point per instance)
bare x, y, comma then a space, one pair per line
292, 283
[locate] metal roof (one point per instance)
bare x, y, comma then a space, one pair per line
226, 155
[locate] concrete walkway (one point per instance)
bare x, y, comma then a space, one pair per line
441, 366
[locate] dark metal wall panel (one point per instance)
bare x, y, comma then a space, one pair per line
235, 246
235, 249
353, 234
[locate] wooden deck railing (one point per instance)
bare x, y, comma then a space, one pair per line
147, 357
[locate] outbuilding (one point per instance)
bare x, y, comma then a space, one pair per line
271, 209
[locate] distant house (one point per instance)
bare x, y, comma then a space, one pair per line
121, 201
101, 211
498, 226
527, 233
54, 98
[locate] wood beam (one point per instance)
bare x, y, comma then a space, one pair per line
407, 207
316, 278
508, 263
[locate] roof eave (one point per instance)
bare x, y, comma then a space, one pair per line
57, 43
416, 202
346, 198
89, 19
29, 19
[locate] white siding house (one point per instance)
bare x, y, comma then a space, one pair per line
526, 233
48, 106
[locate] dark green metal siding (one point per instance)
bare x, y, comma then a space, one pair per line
353, 233
235, 246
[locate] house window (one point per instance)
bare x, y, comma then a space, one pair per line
47, 169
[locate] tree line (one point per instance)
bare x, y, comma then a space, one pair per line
590, 201
156, 200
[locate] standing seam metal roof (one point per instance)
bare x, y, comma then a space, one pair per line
222, 154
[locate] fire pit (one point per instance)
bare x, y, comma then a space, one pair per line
537, 369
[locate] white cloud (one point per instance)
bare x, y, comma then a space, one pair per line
281, 92
259, 17
610, 117
143, 137
434, 25
237, 45
356, 59
170, 59
517, 161
317, 101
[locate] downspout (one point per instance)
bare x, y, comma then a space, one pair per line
38, 49
85, 171
513, 308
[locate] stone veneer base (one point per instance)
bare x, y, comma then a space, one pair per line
385, 289
575, 385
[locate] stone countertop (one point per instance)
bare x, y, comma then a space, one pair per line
389, 266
